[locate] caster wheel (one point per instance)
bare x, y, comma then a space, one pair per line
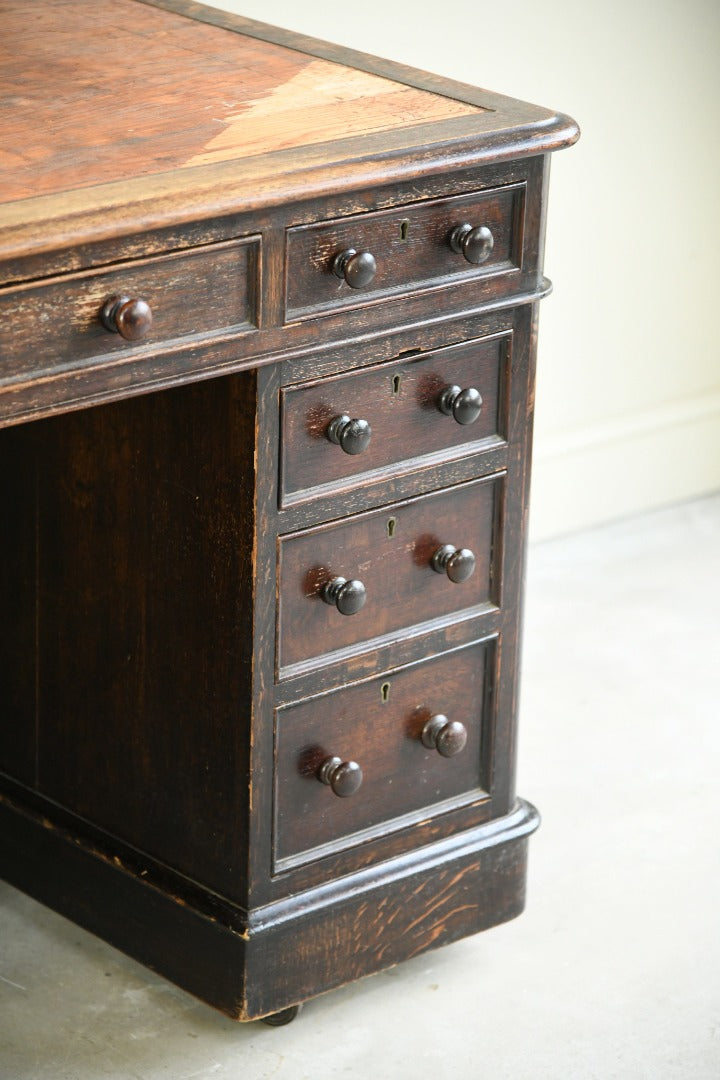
285, 1016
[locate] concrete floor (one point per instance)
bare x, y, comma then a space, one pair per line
614, 969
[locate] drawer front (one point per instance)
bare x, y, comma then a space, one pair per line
410, 410
378, 725
191, 294
391, 552
410, 244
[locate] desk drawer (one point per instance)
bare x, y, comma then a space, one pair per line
376, 730
411, 246
191, 294
387, 553
407, 407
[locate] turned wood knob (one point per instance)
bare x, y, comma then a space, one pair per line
448, 737
347, 596
463, 405
357, 268
457, 563
475, 244
129, 317
353, 436
344, 777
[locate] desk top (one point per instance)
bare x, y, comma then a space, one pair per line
166, 110
135, 90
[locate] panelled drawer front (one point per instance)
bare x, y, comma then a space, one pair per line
378, 725
401, 401
191, 294
411, 246
390, 551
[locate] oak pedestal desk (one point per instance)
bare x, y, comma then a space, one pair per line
267, 329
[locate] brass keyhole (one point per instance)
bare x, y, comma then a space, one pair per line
395, 385
404, 226
391, 528
385, 692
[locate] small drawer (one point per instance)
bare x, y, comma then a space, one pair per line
448, 402
415, 246
411, 563
388, 749
191, 294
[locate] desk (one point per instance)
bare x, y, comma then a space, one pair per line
268, 315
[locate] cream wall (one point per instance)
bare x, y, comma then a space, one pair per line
628, 404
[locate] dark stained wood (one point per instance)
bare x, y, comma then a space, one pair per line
411, 246
192, 294
429, 904
201, 759
400, 402
379, 725
130, 317
390, 551
18, 570
513, 565
143, 604
125, 369
271, 962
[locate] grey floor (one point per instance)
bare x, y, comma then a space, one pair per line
614, 969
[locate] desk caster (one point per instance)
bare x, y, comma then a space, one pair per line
285, 1016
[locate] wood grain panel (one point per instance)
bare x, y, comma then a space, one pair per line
308, 944
393, 564
135, 91
145, 510
18, 604
377, 724
411, 247
368, 930
399, 401
192, 294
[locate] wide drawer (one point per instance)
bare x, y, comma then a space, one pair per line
411, 246
409, 408
191, 294
381, 731
391, 552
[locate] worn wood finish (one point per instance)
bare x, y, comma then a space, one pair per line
122, 368
18, 625
377, 724
482, 878
400, 402
494, 127
390, 551
196, 294
231, 96
411, 246
142, 605
183, 716
462, 886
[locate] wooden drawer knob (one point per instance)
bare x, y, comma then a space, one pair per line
356, 268
457, 563
463, 405
347, 596
475, 244
448, 737
353, 436
129, 317
344, 777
